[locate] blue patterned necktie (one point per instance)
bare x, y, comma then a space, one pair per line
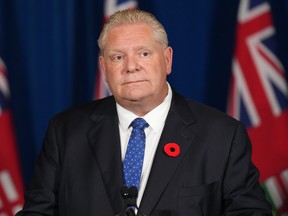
133, 162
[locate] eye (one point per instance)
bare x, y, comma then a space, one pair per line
145, 54
117, 57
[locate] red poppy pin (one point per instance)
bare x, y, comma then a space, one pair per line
172, 149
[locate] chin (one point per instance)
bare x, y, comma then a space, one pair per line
135, 98
136, 95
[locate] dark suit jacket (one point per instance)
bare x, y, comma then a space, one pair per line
79, 171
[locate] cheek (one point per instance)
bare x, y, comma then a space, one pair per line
113, 78
112, 72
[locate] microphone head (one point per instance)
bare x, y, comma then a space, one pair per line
124, 192
133, 192
132, 197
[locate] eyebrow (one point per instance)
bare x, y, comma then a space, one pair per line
137, 48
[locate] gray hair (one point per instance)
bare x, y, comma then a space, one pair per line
133, 16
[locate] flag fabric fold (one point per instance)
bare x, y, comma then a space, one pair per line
11, 189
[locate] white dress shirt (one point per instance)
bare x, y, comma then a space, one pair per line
156, 120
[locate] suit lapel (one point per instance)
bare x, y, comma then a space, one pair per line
177, 130
105, 143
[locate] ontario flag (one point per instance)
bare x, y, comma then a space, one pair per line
110, 7
11, 189
259, 98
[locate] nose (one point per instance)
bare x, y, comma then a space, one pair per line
132, 65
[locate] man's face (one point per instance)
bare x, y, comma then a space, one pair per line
135, 65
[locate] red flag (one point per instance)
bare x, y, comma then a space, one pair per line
110, 7
259, 98
11, 189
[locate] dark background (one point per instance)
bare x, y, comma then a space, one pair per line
50, 50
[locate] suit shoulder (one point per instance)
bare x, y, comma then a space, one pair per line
210, 114
85, 110
214, 123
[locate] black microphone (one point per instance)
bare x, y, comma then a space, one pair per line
130, 196
124, 192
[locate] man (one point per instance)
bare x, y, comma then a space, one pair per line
197, 161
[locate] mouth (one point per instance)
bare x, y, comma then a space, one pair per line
134, 82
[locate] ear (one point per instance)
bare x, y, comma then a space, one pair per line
102, 67
168, 54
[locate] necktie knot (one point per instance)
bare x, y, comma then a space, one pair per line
139, 123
